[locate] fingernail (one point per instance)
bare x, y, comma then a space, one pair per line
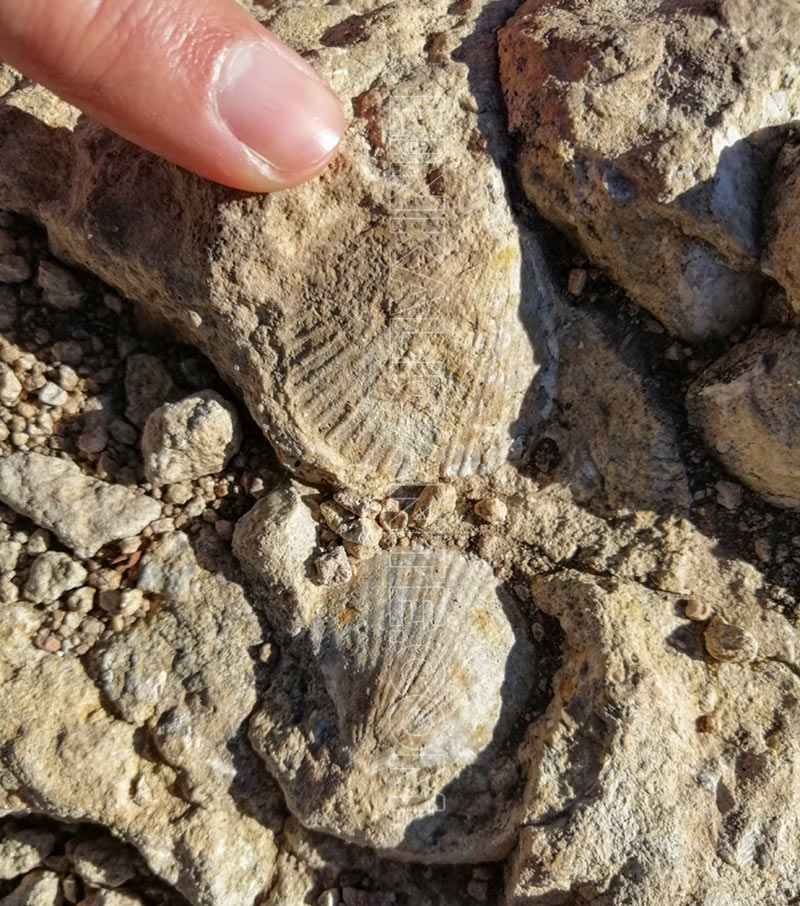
277, 107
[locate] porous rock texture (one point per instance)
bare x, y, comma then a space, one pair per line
582, 649
648, 130
180, 689
84, 512
427, 374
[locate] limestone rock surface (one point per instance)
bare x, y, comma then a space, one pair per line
84, 512
747, 407
648, 131
379, 321
147, 739
642, 724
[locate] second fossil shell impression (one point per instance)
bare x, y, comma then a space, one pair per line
388, 720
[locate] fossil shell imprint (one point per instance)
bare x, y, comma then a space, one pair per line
392, 739
383, 322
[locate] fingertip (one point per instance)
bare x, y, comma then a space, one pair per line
288, 122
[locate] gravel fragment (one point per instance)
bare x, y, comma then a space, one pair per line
435, 501
53, 573
59, 287
9, 555
190, 439
67, 378
333, 568
83, 512
14, 269
491, 510
10, 387
23, 849
52, 395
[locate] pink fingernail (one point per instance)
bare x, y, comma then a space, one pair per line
277, 108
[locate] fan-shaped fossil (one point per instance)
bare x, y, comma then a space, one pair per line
386, 721
379, 321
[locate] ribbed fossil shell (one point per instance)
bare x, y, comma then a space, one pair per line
379, 322
394, 738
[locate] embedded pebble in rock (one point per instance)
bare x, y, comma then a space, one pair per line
331, 321
434, 501
190, 439
10, 387
83, 512
655, 153
59, 287
148, 385
333, 568
728, 642
22, 849
747, 408
52, 574
698, 609
491, 510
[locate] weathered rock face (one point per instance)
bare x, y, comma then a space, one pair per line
374, 320
84, 512
747, 407
147, 740
648, 131
634, 775
780, 258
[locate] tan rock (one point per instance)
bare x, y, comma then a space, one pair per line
648, 133
192, 438
377, 321
747, 407
184, 681
83, 512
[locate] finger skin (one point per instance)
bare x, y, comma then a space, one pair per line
148, 69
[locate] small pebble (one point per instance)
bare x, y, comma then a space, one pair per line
698, 610
67, 378
491, 510
52, 395
333, 568
93, 441
729, 642
435, 501
577, 281
478, 890
14, 269
105, 580
10, 387
729, 494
